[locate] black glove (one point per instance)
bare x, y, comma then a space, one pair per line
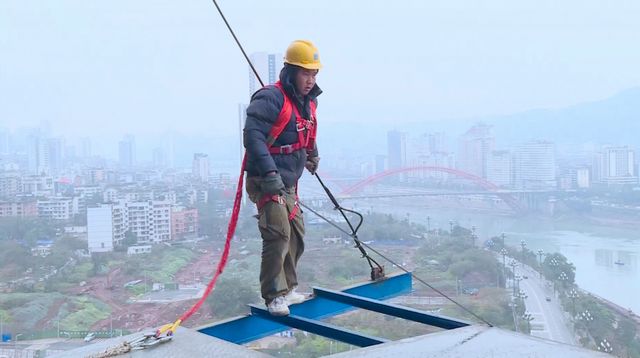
272, 184
312, 164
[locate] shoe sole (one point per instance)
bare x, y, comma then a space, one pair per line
295, 302
279, 314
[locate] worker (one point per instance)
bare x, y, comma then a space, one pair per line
279, 136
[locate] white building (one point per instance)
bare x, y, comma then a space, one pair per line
200, 167
583, 179
110, 195
615, 165
475, 147
500, 168
100, 231
58, 208
38, 155
150, 221
87, 191
535, 165
268, 66
37, 185
127, 152
10, 185
138, 250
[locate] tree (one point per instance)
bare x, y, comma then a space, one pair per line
554, 265
231, 296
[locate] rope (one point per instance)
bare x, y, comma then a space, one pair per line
397, 264
231, 229
121, 348
238, 42
354, 231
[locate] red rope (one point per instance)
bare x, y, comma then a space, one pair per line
231, 229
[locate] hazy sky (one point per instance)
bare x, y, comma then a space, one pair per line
114, 67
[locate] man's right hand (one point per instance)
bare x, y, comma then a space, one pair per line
272, 184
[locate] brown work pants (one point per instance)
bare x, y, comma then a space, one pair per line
282, 243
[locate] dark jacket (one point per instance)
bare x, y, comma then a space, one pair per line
261, 116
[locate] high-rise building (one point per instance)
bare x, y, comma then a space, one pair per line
159, 158
37, 185
127, 152
10, 184
615, 165
38, 155
58, 208
381, 163
500, 168
18, 209
268, 66
184, 222
583, 180
396, 149
437, 142
85, 147
150, 220
55, 148
101, 229
535, 165
475, 148
200, 168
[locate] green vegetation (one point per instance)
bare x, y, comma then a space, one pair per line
159, 266
85, 312
232, 294
26, 309
593, 321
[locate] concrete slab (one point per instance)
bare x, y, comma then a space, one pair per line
472, 341
186, 343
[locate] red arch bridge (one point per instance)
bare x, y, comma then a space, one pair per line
487, 186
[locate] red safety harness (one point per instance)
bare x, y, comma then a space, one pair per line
306, 129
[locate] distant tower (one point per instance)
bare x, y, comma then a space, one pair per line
268, 66
535, 165
127, 152
85, 147
615, 165
475, 149
396, 149
200, 168
38, 155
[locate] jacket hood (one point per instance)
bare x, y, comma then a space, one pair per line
287, 75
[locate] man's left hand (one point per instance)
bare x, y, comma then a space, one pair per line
312, 164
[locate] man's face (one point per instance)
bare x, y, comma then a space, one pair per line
305, 80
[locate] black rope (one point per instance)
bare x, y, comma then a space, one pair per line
238, 42
396, 264
353, 233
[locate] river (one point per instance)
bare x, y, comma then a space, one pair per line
592, 248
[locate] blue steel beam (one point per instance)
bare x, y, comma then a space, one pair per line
390, 309
321, 328
249, 328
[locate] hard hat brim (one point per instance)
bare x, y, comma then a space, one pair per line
308, 66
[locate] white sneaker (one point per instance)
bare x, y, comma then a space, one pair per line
294, 297
278, 307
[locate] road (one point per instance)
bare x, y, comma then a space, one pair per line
548, 316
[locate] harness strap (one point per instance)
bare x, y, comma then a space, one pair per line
280, 200
306, 128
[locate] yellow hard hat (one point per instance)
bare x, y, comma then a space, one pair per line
304, 54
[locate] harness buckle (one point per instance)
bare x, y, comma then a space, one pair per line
304, 124
286, 149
